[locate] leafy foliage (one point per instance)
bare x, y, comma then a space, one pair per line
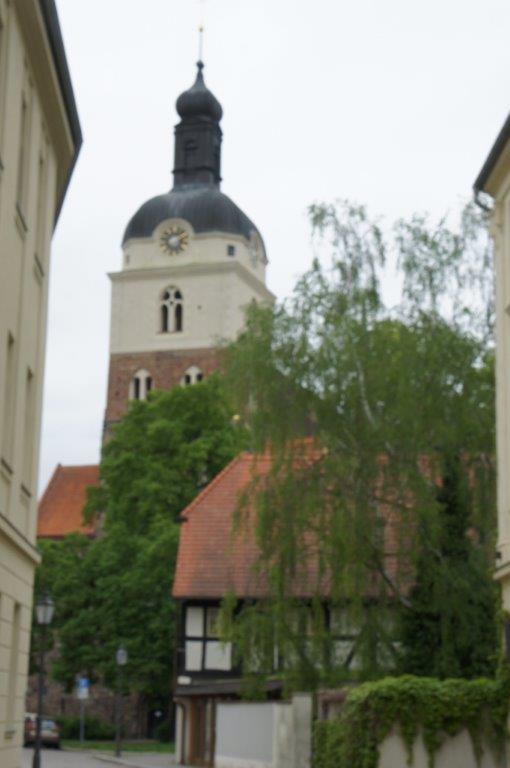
392, 393
94, 728
461, 639
116, 589
412, 704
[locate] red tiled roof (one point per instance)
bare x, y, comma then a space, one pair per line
213, 558
61, 506
216, 558
210, 561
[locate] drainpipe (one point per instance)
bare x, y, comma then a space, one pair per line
479, 202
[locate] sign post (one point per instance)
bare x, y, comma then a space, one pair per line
82, 693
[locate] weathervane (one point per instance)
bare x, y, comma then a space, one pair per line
201, 30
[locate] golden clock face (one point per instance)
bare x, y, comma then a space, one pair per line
174, 240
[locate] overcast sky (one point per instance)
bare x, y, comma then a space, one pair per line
394, 103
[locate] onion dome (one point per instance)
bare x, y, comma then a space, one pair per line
196, 196
198, 101
205, 208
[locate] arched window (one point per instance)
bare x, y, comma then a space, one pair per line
192, 376
171, 310
141, 385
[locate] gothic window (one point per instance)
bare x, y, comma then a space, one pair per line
171, 310
141, 385
192, 376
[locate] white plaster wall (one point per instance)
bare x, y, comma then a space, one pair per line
302, 712
208, 248
284, 736
456, 752
214, 297
501, 236
265, 735
244, 735
26, 226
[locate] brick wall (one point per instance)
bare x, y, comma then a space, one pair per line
101, 704
165, 368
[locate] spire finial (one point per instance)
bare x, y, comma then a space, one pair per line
201, 26
201, 43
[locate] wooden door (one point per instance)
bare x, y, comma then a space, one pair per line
197, 735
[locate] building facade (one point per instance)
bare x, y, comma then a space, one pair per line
39, 141
192, 261
492, 191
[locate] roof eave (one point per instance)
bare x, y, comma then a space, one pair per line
492, 159
52, 25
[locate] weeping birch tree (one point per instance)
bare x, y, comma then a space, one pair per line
384, 353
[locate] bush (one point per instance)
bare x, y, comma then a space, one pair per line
95, 729
435, 707
162, 732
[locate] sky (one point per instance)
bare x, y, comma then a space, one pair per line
391, 103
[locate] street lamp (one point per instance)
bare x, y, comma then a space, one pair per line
44, 611
121, 657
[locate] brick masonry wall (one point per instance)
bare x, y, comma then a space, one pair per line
166, 368
101, 704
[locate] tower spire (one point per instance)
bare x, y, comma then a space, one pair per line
201, 42
198, 135
201, 26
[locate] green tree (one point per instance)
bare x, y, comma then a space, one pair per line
393, 392
452, 629
116, 589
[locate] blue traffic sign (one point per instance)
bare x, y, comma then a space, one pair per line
82, 687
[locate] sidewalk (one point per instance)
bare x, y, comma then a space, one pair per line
136, 759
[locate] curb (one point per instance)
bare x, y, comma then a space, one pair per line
130, 764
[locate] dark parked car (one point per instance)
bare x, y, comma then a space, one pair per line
50, 733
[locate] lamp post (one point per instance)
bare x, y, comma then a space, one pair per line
44, 611
121, 658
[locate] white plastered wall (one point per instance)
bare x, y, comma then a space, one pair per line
456, 752
215, 288
500, 230
265, 735
26, 225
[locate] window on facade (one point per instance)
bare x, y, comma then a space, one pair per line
28, 435
9, 398
171, 311
23, 151
203, 648
231, 250
41, 204
192, 376
141, 385
12, 684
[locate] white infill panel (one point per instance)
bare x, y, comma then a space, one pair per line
218, 656
194, 621
193, 656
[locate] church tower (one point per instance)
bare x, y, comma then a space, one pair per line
192, 262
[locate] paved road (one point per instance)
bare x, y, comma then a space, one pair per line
53, 758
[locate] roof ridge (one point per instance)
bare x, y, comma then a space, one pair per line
216, 479
256, 457
79, 466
